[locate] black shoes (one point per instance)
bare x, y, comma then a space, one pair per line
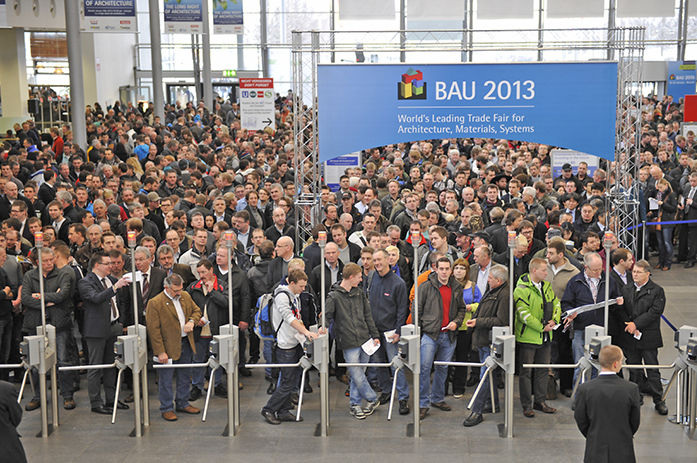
272, 388
404, 407
661, 408
287, 416
473, 420
690, 264
195, 394
120, 405
220, 391
472, 380
308, 388
102, 410
270, 416
544, 408
384, 398
295, 398
244, 371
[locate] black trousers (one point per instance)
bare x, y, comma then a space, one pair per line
280, 400
464, 353
531, 353
562, 353
692, 244
650, 382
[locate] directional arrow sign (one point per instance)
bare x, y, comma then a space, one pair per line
257, 103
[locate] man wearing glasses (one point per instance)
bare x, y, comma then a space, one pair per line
101, 327
645, 301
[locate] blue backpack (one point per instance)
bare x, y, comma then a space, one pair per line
263, 318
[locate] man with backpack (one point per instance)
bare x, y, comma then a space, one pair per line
287, 322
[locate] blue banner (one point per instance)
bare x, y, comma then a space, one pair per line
569, 105
682, 79
227, 16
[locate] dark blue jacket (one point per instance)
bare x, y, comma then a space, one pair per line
388, 301
578, 293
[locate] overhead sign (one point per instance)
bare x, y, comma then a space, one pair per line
365, 106
183, 16
335, 168
227, 16
108, 16
682, 79
561, 157
3, 14
257, 109
36, 15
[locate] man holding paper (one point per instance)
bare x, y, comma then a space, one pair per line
356, 334
390, 305
644, 304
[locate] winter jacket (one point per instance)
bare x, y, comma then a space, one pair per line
644, 308
431, 306
241, 302
57, 296
353, 319
214, 305
533, 310
492, 311
578, 293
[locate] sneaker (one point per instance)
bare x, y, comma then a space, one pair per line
458, 395
403, 407
357, 412
288, 416
370, 408
270, 416
384, 398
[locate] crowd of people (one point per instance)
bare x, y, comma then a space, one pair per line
181, 183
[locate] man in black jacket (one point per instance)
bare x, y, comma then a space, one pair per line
441, 312
101, 327
644, 304
492, 311
607, 411
10, 417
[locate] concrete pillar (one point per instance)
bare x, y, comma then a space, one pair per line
156, 54
89, 69
13, 78
77, 94
207, 76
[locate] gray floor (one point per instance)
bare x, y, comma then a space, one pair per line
87, 437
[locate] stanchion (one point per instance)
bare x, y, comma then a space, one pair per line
643, 238
232, 373
415, 430
508, 402
323, 427
607, 244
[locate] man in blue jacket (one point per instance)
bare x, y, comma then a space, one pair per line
389, 303
587, 287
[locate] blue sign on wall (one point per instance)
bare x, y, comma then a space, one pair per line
681, 80
570, 105
110, 8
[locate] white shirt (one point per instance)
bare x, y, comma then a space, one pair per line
180, 312
107, 282
483, 278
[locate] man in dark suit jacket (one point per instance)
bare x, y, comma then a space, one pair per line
689, 207
101, 326
607, 412
151, 285
10, 417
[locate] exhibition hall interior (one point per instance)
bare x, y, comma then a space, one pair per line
338, 230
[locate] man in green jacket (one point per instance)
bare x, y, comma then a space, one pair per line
538, 311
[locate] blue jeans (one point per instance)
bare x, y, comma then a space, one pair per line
359, 386
183, 375
385, 354
665, 246
201, 356
485, 391
577, 347
442, 350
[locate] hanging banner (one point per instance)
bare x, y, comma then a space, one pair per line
227, 16
681, 79
183, 16
3, 14
108, 16
536, 102
257, 109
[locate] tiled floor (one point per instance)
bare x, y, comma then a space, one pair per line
87, 437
